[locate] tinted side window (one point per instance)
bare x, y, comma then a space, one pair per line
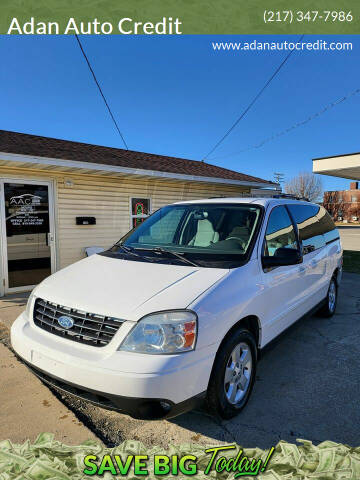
327, 226
309, 227
279, 232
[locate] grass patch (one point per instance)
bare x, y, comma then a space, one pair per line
351, 261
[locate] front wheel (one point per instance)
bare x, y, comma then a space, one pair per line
233, 374
328, 309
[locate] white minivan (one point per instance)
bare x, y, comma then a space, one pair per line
177, 311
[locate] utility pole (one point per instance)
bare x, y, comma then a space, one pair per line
279, 177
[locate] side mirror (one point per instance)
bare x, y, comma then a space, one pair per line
282, 256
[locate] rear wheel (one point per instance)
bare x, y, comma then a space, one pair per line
233, 374
329, 307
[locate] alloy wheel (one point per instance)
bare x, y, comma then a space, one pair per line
332, 296
238, 371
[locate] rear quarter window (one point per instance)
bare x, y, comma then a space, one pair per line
329, 230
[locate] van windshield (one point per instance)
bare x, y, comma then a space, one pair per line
202, 231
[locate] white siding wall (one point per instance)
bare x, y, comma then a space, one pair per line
108, 199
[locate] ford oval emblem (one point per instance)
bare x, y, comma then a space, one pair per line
65, 322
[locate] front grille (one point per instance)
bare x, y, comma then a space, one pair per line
88, 328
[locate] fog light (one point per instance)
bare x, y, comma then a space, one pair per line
165, 405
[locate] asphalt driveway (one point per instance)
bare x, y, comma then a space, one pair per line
307, 387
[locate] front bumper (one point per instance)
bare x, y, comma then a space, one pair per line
140, 408
145, 386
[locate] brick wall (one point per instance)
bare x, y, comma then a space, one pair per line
344, 204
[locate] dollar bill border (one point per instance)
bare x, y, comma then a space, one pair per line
49, 459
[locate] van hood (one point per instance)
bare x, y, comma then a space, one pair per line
126, 289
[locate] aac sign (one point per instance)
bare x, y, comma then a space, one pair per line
25, 199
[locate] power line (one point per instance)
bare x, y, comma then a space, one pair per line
101, 92
252, 102
325, 109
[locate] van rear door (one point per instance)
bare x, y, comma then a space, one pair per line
317, 269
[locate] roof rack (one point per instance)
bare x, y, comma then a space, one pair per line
289, 196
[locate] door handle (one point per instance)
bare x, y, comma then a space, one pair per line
314, 263
302, 270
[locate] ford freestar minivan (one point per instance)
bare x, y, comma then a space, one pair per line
179, 308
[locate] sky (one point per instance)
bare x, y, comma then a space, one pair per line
175, 95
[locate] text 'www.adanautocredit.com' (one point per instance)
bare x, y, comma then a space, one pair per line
259, 46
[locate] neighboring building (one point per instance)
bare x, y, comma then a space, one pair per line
344, 205
59, 197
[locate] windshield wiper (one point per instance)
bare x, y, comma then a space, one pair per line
165, 251
130, 251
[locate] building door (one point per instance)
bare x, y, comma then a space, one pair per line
27, 234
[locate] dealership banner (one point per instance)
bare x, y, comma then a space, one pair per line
177, 17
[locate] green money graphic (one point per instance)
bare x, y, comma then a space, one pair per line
48, 459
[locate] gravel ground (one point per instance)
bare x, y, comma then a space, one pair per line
113, 428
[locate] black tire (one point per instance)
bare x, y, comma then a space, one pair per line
217, 402
329, 307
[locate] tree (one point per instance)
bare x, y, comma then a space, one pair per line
306, 185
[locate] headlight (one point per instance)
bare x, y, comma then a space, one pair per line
163, 332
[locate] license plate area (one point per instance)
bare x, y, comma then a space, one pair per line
46, 363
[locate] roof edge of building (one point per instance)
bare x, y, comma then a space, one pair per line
21, 158
336, 156
26, 139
